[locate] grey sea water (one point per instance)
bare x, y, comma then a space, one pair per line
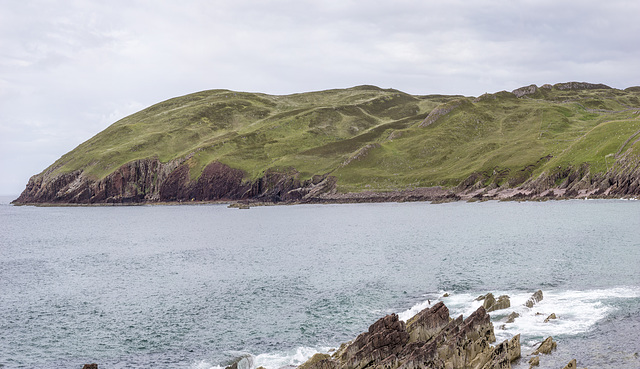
197, 286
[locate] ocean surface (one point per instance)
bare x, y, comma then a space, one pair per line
197, 286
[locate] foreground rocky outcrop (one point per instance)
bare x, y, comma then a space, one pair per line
431, 339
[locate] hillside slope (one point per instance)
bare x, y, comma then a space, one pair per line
358, 144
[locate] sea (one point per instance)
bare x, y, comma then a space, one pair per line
202, 286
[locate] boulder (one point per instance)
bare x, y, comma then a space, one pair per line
512, 317
491, 304
550, 317
503, 302
572, 365
534, 361
536, 297
546, 346
90, 366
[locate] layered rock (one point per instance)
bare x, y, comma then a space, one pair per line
621, 180
150, 180
491, 304
535, 298
572, 365
431, 339
512, 317
546, 346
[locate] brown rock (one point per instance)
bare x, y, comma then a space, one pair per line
488, 299
430, 340
546, 346
427, 323
385, 339
552, 316
499, 356
319, 361
90, 366
572, 365
491, 304
534, 361
512, 317
503, 302
536, 297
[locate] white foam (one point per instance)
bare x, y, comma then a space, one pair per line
204, 365
456, 303
279, 359
273, 360
576, 311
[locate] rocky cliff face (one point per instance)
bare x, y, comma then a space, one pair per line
149, 180
621, 180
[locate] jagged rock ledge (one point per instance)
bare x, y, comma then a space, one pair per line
431, 339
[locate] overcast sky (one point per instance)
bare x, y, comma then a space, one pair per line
68, 69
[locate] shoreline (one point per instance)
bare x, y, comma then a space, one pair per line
433, 195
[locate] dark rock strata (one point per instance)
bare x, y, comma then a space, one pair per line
429, 340
149, 181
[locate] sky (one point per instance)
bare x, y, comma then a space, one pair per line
69, 69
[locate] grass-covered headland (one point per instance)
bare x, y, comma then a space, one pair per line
359, 144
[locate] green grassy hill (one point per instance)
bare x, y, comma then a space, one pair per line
376, 139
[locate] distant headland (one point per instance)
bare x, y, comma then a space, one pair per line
361, 144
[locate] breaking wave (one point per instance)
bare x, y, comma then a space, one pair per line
576, 312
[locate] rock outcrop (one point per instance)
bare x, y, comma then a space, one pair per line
535, 298
546, 346
572, 365
526, 90
512, 317
431, 339
491, 304
550, 317
580, 86
442, 110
